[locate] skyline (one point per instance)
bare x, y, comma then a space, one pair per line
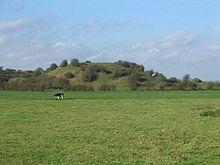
174, 37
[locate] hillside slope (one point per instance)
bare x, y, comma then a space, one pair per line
102, 76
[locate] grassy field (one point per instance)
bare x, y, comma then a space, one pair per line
109, 128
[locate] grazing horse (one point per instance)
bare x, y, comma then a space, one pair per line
59, 96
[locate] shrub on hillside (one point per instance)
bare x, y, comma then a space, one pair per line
90, 74
210, 85
60, 83
39, 71
75, 62
52, 67
64, 63
69, 75
105, 87
80, 88
121, 72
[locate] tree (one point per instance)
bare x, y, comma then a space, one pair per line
90, 74
185, 81
196, 80
38, 71
121, 72
173, 80
61, 83
134, 80
75, 62
125, 64
64, 63
161, 85
160, 77
52, 67
141, 68
210, 85
173, 83
217, 85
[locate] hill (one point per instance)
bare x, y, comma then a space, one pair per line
89, 76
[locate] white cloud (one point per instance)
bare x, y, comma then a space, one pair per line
172, 55
3, 39
11, 25
213, 47
107, 25
176, 39
87, 23
153, 50
96, 25
64, 45
17, 7
91, 22
216, 28
141, 45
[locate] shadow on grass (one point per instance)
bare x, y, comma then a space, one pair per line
215, 113
55, 99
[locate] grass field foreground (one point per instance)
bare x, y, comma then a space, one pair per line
109, 128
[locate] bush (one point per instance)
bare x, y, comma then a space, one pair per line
52, 67
173, 80
75, 62
64, 63
121, 72
90, 74
196, 80
210, 86
211, 113
69, 75
80, 88
217, 86
60, 83
105, 87
39, 71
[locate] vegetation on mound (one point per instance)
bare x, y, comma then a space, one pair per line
88, 76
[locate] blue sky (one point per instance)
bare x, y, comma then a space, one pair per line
175, 37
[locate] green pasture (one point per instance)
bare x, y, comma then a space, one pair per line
110, 128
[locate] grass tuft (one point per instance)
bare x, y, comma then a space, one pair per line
215, 113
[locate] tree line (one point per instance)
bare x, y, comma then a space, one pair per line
88, 76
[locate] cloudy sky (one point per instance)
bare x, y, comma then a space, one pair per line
175, 37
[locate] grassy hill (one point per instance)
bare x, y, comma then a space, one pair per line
106, 76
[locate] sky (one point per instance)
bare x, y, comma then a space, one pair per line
173, 37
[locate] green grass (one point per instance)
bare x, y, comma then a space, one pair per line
109, 128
